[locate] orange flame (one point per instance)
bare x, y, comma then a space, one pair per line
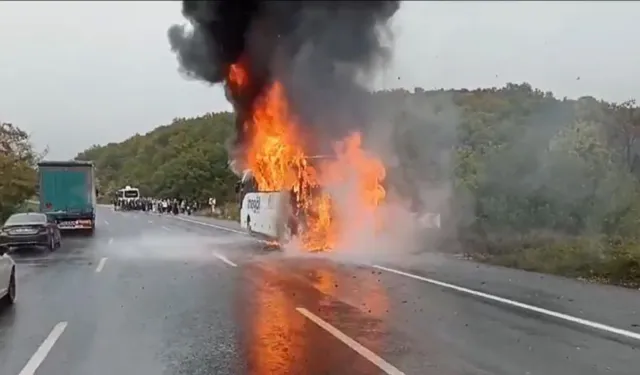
277, 158
238, 77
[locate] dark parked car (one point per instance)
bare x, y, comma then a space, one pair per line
30, 230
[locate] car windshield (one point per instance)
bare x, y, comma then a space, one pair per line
26, 218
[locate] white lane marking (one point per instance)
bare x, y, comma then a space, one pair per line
110, 241
150, 221
383, 365
165, 228
210, 225
223, 228
224, 259
524, 306
101, 264
38, 357
106, 222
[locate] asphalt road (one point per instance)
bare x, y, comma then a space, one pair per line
152, 295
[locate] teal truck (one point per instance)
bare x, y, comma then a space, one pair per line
68, 193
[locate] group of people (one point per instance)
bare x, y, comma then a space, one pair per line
174, 206
162, 206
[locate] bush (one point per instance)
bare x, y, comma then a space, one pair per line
228, 211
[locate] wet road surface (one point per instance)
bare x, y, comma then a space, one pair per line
150, 294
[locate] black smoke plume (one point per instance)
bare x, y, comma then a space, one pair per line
317, 49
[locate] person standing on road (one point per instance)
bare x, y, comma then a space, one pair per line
176, 207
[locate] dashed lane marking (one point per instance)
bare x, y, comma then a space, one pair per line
383, 365
224, 259
165, 228
524, 306
101, 265
106, 222
110, 241
39, 356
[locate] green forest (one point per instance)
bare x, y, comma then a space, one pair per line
532, 181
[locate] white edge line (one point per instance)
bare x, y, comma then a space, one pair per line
222, 228
101, 264
524, 306
211, 225
224, 259
39, 356
353, 344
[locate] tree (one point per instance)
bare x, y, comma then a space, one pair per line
185, 159
17, 168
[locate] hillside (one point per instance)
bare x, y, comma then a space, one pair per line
521, 176
18, 162
187, 158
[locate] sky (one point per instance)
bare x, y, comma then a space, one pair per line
74, 74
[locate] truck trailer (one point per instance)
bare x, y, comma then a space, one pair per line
68, 193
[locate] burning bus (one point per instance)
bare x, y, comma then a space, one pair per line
296, 92
281, 215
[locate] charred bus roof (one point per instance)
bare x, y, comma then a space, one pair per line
247, 174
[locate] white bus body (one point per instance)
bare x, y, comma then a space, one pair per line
128, 193
265, 214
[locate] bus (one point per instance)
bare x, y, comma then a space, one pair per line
125, 196
269, 214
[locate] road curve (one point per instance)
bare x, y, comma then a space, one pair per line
150, 294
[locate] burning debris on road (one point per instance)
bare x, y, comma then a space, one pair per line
292, 71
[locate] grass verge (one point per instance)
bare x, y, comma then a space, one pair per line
605, 261
228, 211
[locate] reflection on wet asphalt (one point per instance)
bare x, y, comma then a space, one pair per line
150, 295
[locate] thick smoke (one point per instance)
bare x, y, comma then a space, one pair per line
319, 51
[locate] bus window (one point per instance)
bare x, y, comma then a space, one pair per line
246, 185
131, 194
